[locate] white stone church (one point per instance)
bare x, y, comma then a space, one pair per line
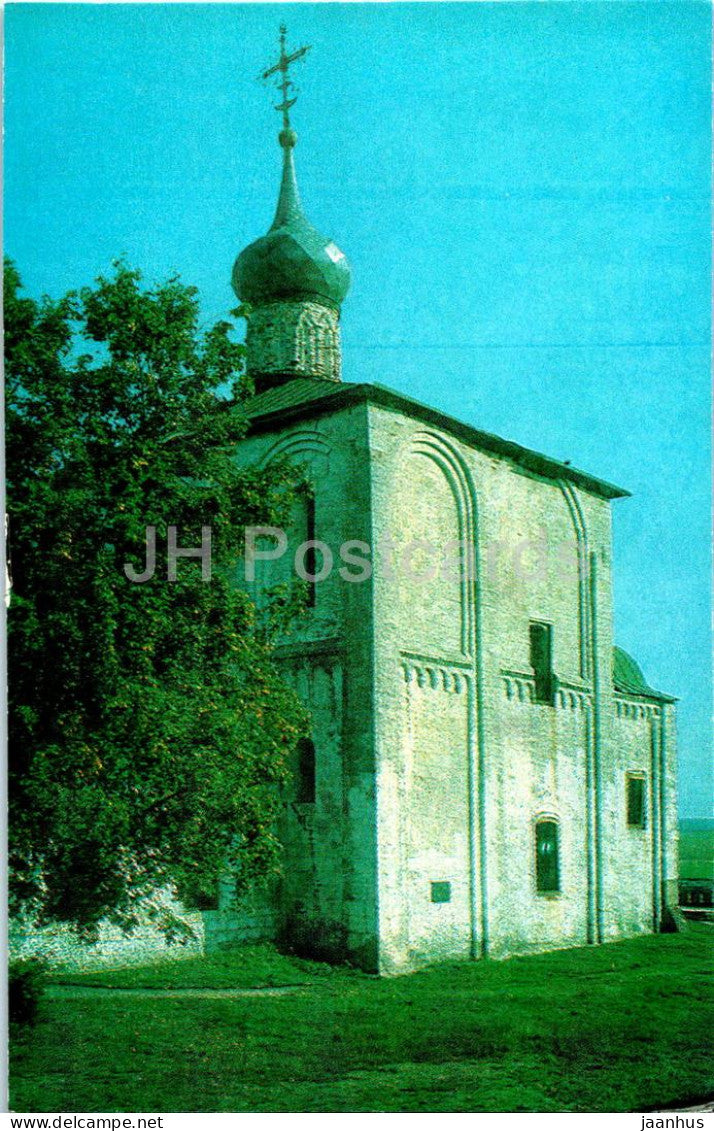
487, 774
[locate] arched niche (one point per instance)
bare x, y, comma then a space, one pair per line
435, 539
308, 452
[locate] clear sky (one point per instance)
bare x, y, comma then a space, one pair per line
523, 192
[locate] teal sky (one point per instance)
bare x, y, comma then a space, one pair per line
522, 189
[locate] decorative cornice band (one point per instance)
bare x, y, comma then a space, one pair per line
436, 675
626, 708
520, 688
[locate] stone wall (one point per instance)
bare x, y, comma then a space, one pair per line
641, 862
206, 932
327, 899
463, 779
59, 946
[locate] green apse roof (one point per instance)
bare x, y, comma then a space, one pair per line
293, 261
627, 676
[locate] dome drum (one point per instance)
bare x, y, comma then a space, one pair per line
293, 339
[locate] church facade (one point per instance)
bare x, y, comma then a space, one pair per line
487, 773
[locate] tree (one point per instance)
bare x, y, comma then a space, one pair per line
149, 728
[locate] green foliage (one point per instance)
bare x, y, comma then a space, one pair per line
149, 728
26, 978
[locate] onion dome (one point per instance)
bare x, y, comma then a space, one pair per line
293, 262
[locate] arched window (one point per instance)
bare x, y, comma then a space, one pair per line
315, 337
306, 772
547, 856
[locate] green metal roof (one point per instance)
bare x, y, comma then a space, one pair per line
293, 261
309, 397
289, 394
628, 678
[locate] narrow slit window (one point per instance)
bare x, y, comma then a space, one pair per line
310, 558
636, 801
547, 857
541, 657
306, 772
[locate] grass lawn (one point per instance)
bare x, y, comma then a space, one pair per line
624, 1027
246, 967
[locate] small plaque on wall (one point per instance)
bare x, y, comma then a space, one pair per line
440, 891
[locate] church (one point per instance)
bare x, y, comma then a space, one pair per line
487, 774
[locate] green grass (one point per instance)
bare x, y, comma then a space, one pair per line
244, 968
624, 1027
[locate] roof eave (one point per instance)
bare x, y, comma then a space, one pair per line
650, 695
531, 461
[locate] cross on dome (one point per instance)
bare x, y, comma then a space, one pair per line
282, 68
